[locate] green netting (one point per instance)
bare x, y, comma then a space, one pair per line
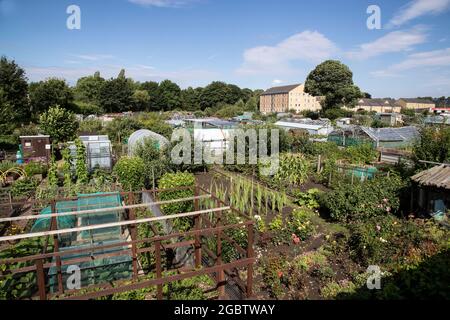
104, 200
94, 271
65, 222
98, 270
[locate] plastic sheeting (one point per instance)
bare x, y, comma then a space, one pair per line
139, 137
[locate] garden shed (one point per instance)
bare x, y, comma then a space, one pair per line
432, 190
140, 136
313, 127
36, 148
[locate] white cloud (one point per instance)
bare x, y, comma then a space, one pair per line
395, 41
163, 3
310, 46
93, 57
277, 81
418, 8
428, 59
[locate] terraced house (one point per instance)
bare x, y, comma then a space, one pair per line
377, 105
416, 104
291, 97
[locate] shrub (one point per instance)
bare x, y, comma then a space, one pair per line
308, 199
24, 188
361, 154
156, 161
273, 269
300, 224
175, 180
379, 196
59, 123
33, 168
129, 172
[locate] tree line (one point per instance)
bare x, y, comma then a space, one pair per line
22, 102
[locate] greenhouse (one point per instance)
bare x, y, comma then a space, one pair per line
395, 138
139, 137
98, 152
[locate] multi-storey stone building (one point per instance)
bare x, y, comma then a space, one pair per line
285, 98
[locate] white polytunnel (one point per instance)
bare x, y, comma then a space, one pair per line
140, 136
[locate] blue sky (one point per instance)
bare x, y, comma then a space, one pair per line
252, 43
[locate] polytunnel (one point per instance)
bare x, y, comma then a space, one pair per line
140, 136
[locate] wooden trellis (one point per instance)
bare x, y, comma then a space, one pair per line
203, 228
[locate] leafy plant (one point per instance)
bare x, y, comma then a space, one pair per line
34, 168
294, 169
379, 196
176, 180
308, 199
81, 166
59, 123
24, 187
20, 285
67, 168
129, 173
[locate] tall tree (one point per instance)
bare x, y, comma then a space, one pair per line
215, 93
234, 94
48, 93
170, 94
141, 100
334, 80
59, 123
191, 99
88, 89
14, 107
433, 145
116, 94
154, 95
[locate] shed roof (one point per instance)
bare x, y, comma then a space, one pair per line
392, 134
438, 176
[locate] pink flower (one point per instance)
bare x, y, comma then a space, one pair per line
388, 209
385, 200
295, 239
378, 228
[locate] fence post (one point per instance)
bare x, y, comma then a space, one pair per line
221, 272
198, 224
250, 254
159, 294
54, 226
40, 278
319, 160
133, 235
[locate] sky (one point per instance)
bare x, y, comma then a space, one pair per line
252, 43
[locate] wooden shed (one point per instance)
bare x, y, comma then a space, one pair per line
432, 192
36, 148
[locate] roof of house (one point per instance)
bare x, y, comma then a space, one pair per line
412, 100
392, 134
377, 102
282, 89
438, 176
